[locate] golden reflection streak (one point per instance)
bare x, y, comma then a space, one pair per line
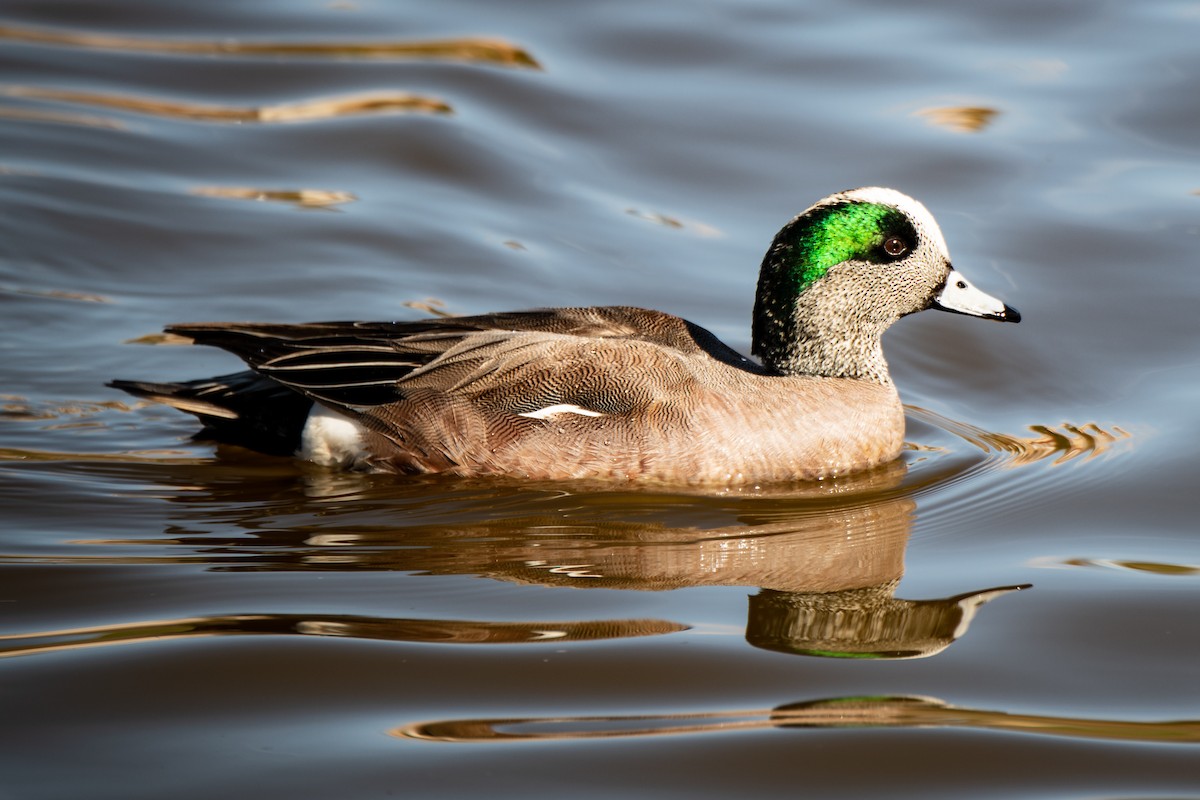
467, 49
1153, 567
851, 712
431, 306
1064, 443
58, 118
699, 228
960, 119
19, 409
305, 198
130, 457
431, 631
160, 340
300, 111
59, 294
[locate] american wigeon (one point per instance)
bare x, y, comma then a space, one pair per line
609, 392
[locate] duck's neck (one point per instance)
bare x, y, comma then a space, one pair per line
815, 333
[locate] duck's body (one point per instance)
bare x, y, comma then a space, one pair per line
608, 393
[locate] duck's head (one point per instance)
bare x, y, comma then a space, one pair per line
839, 274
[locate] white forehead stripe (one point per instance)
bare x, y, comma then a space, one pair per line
918, 213
561, 408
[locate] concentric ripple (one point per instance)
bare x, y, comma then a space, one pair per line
997, 467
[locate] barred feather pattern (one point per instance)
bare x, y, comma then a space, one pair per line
667, 400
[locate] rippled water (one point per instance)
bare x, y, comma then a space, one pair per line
1009, 611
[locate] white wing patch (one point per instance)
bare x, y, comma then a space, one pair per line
561, 408
331, 439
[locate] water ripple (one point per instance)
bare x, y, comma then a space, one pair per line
841, 712
998, 467
304, 198
960, 119
1059, 444
58, 118
1054, 446
481, 50
431, 631
54, 294
378, 102
1131, 565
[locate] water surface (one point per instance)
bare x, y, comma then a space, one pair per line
1008, 611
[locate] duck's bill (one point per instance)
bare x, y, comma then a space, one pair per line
960, 297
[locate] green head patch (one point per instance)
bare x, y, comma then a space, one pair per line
827, 236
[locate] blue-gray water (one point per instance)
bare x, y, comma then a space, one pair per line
182, 622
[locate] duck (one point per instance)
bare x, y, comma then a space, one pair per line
612, 393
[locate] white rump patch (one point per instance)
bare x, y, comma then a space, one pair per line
561, 408
331, 439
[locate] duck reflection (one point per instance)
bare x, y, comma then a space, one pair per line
826, 558
864, 623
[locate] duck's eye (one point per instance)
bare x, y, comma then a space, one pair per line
895, 247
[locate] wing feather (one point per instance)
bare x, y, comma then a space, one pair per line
610, 359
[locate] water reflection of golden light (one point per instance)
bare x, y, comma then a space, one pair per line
700, 228
56, 294
430, 305
299, 111
16, 407
1063, 443
166, 339
175, 457
466, 49
844, 712
1152, 567
307, 198
1069, 441
432, 631
961, 119
58, 118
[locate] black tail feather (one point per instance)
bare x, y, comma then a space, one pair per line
244, 408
